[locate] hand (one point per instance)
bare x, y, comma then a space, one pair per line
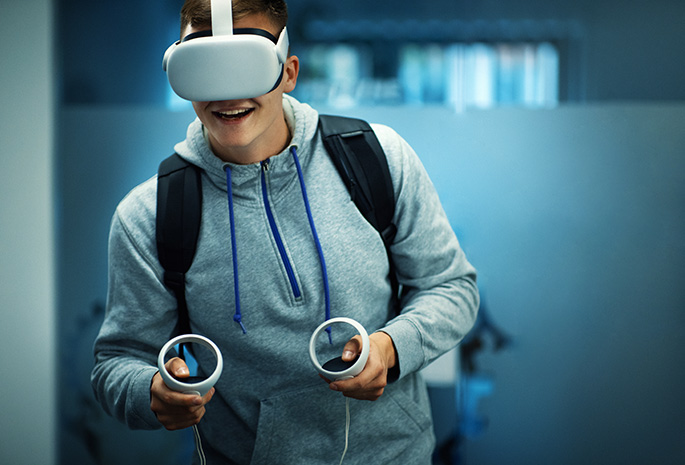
176, 410
371, 382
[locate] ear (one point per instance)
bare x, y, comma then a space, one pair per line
290, 73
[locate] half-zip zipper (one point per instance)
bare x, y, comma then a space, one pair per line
277, 236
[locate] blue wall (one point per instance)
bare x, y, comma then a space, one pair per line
575, 219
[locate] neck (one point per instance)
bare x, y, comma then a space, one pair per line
258, 150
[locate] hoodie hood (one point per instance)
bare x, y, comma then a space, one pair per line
303, 122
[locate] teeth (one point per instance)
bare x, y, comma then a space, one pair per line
232, 113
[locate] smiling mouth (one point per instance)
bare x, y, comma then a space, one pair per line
233, 115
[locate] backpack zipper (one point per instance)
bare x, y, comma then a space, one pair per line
277, 236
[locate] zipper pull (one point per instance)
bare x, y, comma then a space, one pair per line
265, 164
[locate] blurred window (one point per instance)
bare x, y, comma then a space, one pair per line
459, 75
449, 62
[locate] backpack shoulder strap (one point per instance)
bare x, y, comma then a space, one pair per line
363, 166
179, 210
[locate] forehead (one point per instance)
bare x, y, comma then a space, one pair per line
257, 21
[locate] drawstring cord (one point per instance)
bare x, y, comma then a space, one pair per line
237, 317
327, 295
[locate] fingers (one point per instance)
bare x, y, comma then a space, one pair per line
176, 410
352, 349
367, 385
371, 382
177, 368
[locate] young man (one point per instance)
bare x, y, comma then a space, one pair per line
266, 155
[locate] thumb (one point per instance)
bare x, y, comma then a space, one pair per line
177, 368
352, 349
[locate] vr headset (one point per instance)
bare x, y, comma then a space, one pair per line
226, 64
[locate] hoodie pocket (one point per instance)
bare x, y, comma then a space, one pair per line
308, 427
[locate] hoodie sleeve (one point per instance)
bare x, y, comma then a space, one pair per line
139, 318
440, 299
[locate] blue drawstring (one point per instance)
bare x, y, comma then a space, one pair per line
237, 317
316, 240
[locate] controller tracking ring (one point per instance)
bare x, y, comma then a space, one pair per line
201, 388
357, 367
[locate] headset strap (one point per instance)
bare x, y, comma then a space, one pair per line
242, 30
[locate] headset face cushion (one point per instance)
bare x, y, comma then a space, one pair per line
227, 67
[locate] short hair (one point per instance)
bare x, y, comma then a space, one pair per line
198, 13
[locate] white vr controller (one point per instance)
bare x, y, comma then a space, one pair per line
335, 369
202, 387
331, 369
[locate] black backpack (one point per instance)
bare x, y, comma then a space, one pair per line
357, 155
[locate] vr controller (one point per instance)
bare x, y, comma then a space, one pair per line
190, 385
223, 64
336, 369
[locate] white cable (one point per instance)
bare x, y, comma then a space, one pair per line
198, 446
347, 428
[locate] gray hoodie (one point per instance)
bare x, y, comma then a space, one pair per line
270, 406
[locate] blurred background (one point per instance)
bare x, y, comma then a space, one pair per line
555, 135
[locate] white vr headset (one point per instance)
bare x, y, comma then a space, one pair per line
226, 64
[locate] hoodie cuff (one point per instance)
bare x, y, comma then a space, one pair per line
140, 415
408, 346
